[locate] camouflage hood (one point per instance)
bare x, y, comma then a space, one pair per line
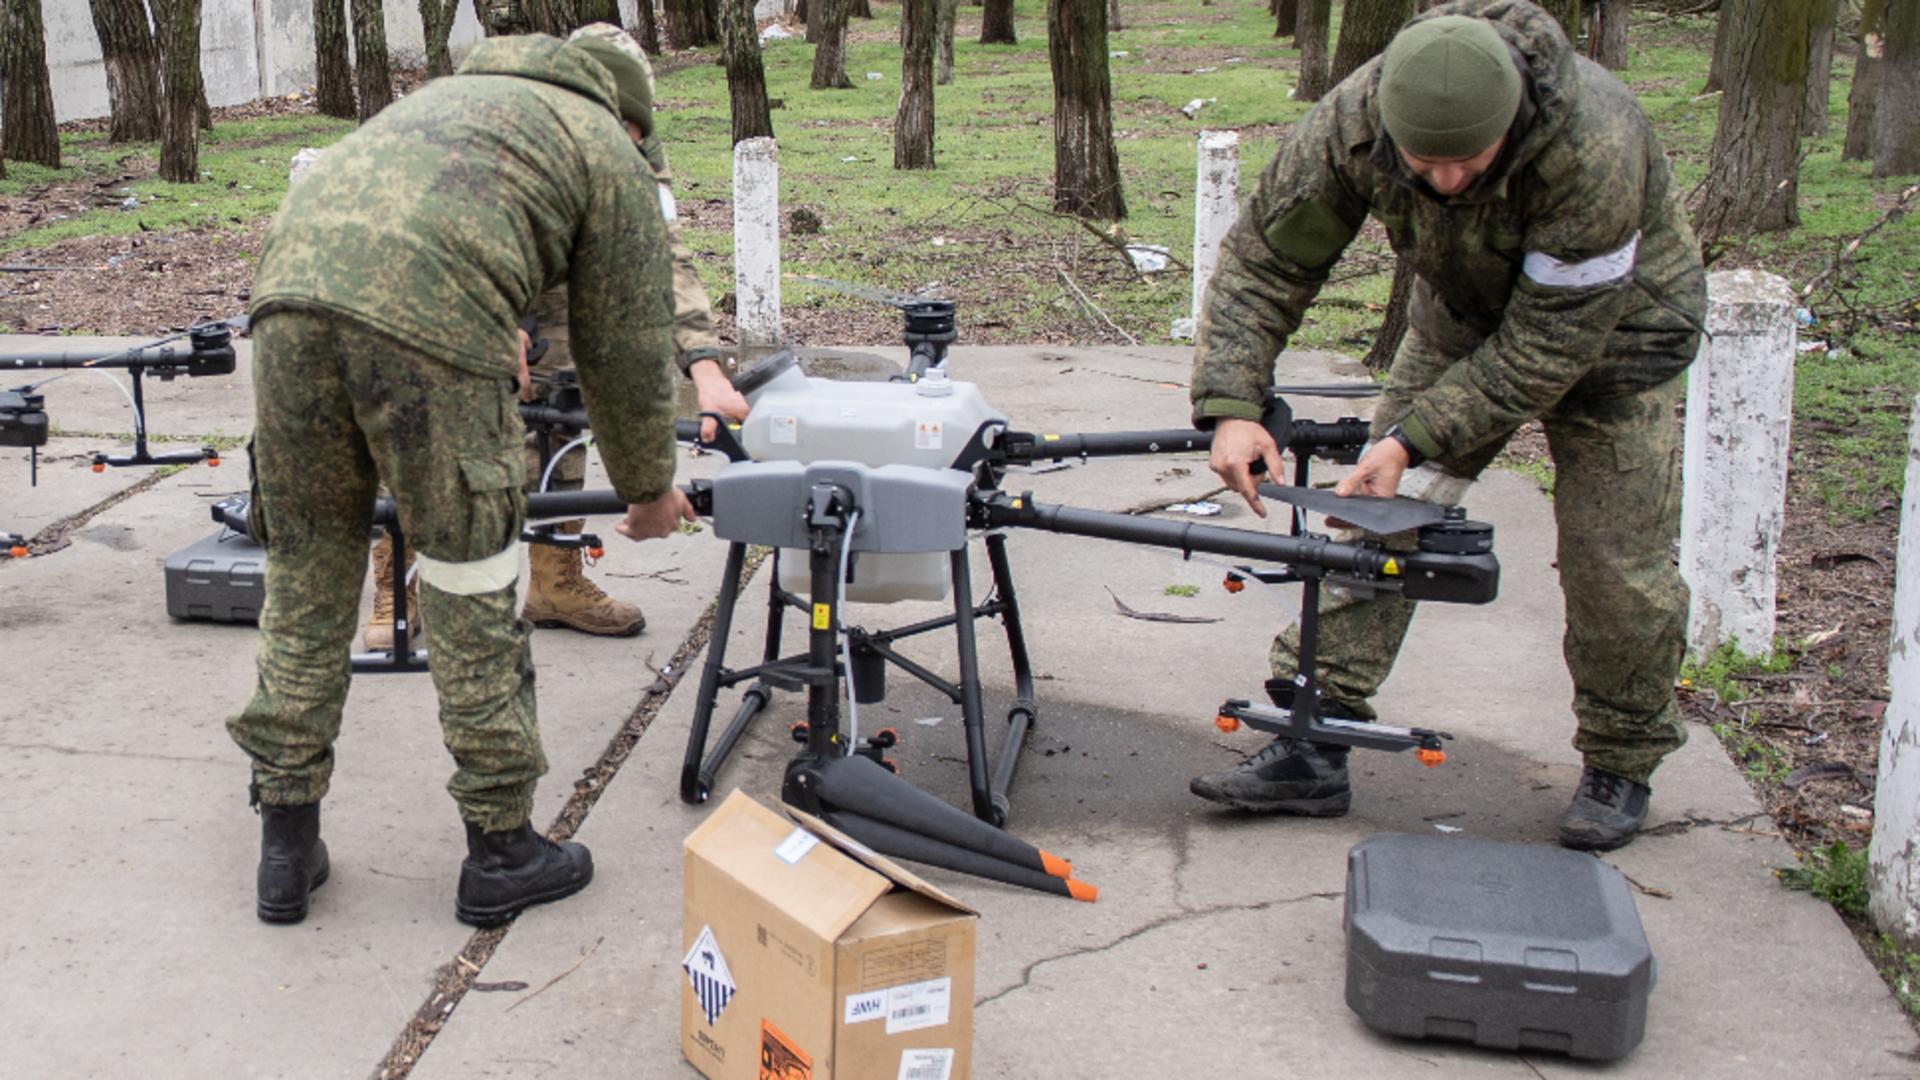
1541, 50
548, 60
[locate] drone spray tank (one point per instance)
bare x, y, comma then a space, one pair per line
925, 423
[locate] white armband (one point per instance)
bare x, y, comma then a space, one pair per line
1604, 269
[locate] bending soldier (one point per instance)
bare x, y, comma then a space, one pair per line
559, 593
1557, 280
386, 306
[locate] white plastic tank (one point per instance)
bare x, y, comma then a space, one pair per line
926, 423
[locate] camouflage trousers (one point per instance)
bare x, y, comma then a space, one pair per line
340, 408
1616, 506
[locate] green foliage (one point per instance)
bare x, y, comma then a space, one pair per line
1182, 590
1720, 671
1900, 968
1835, 873
244, 174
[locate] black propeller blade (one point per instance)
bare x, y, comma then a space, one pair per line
1369, 512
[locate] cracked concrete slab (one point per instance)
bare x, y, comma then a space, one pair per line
1215, 948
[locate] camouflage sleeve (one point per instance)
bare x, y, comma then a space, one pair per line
620, 317
1303, 214
693, 335
1575, 282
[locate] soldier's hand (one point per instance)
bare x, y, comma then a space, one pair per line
526, 377
716, 395
1237, 444
1378, 472
653, 520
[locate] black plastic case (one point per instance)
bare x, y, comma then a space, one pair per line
1508, 946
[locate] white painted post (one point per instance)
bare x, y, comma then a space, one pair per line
1893, 856
1216, 203
756, 241
1739, 412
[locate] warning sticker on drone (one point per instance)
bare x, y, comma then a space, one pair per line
926, 435
783, 430
707, 970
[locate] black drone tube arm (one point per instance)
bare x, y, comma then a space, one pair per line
1420, 575
1304, 436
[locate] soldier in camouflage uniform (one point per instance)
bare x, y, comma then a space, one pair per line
385, 307
559, 593
1557, 280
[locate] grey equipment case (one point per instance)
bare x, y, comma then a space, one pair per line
222, 578
1508, 946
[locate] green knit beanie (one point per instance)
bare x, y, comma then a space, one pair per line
627, 63
1448, 87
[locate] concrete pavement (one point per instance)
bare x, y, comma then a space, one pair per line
128, 944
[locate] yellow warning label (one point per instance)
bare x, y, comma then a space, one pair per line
822, 616
1049, 438
1392, 569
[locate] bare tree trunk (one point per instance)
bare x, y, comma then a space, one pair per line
370, 57
1896, 138
1813, 115
649, 27
861, 9
687, 24
996, 23
813, 15
1753, 185
830, 56
913, 124
333, 91
133, 69
1607, 33
945, 13
1393, 324
596, 11
1086, 170
1365, 28
178, 25
28, 131
1567, 14
1286, 17
1717, 66
436, 22
556, 18
1113, 17
746, 77
1310, 33
1863, 95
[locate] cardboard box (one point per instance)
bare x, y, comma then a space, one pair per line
810, 957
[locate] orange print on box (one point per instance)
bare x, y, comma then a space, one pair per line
780, 1059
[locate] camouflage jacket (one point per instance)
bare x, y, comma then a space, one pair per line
693, 334
442, 218
1567, 268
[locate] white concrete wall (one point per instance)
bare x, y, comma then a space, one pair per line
238, 39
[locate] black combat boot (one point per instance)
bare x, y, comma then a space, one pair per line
293, 861
509, 871
1607, 810
1289, 776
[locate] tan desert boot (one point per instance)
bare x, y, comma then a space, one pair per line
377, 635
559, 594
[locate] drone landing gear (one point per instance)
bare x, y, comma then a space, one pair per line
854, 787
1297, 711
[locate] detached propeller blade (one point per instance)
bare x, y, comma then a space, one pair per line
864, 292
1369, 512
